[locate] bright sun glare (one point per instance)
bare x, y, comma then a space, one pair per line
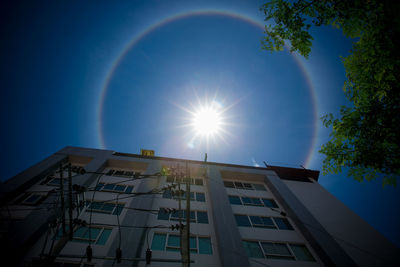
207, 121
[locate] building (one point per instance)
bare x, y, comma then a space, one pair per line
123, 205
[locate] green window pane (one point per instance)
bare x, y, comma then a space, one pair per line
276, 251
108, 207
109, 187
259, 187
256, 220
235, 200
302, 253
99, 186
174, 243
158, 242
270, 203
162, 215
283, 224
205, 245
177, 214
103, 237
242, 220
193, 243
167, 194
253, 249
202, 217
247, 201
80, 232
200, 197
129, 189
120, 188
256, 201
118, 209
94, 233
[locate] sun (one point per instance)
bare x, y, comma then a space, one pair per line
207, 121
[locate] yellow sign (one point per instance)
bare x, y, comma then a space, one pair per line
146, 152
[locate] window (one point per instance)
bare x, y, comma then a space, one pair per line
202, 217
195, 216
253, 249
105, 207
171, 242
56, 182
200, 197
114, 188
283, 224
251, 201
264, 222
259, 187
235, 200
276, 251
198, 182
242, 220
99, 235
32, 199
229, 184
301, 252
194, 196
270, 203
193, 181
247, 186
120, 173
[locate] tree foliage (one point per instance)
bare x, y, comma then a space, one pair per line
365, 137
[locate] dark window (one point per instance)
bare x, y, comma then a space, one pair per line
256, 201
264, 222
252, 249
235, 200
242, 220
270, 203
119, 173
200, 197
259, 187
162, 215
170, 179
247, 186
129, 189
167, 194
229, 184
239, 185
202, 217
283, 224
302, 253
276, 251
199, 182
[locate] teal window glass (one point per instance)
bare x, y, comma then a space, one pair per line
192, 215
200, 197
158, 242
193, 244
108, 207
167, 194
99, 186
283, 224
95, 206
202, 217
80, 232
276, 251
129, 189
103, 237
162, 215
247, 186
270, 203
256, 201
118, 209
253, 249
235, 200
259, 187
247, 201
242, 220
302, 253
267, 222
176, 215
205, 245
120, 188
256, 220
174, 243
109, 187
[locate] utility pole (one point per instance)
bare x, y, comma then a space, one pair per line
62, 199
70, 201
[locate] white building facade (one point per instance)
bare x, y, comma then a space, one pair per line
120, 205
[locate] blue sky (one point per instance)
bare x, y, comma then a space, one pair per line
56, 57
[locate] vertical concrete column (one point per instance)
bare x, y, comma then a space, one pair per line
326, 247
228, 237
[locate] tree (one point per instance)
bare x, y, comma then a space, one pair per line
365, 137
